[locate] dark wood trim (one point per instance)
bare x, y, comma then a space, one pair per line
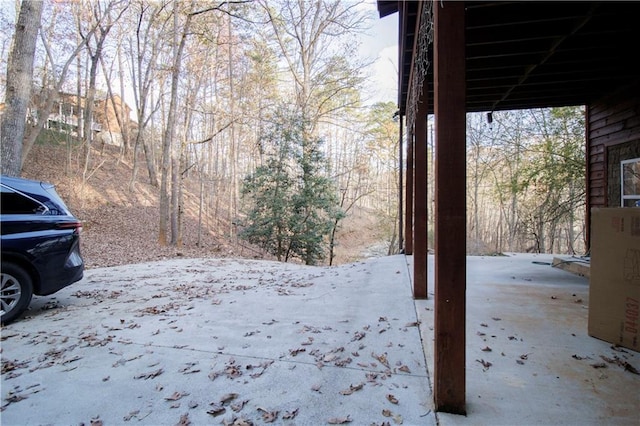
450, 168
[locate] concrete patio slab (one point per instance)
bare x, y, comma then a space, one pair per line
529, 359
220, 341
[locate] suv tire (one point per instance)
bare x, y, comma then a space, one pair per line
15, 293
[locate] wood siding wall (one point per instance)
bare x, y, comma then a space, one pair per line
613, 132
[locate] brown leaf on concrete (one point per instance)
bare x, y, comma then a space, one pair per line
404, 369
216, 409
268, 416
485, 364
621, 363
339, 420
352, 389
149, 375
189, 368
342, 362
176, 396
358, 335
294, 352
228, 397
289, 415
131, 415
232, 371
184, 420
238, 406
630, 368
392, 399
382, 358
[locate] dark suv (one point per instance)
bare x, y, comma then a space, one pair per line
40, 244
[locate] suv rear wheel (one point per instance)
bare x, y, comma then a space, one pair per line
16, 292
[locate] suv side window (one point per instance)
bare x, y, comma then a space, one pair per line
15, 203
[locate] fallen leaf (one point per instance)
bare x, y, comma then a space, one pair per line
131, 415
216, 410
176, 396
485, 364
382, 358
294, 352
387, 413
358, 335
339, 420
268, 416
149, 375
352, 389
288, 415
184, 420
630, 368
392, 399
226, 398
404, 369
486, 349
238, 406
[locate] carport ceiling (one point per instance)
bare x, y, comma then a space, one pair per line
536, 54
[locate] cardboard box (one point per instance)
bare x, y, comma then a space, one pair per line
614, 286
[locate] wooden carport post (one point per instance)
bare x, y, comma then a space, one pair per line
421, 240
400, 165
408, 210
450, 196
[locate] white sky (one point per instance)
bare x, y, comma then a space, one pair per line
381, 42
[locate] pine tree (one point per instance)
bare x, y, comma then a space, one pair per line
292, 204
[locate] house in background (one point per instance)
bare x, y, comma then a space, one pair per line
457, 57
67, 115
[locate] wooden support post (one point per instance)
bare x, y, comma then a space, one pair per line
400, 185
408, 211
421, 240
450, 196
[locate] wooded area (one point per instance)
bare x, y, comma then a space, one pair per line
264, 103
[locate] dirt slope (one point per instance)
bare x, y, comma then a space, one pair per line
121, 227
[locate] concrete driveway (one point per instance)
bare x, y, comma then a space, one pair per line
221, 341
252, 342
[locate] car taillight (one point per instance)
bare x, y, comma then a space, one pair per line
76, 226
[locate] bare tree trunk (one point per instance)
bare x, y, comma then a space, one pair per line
175, 200
18, 87
180, 39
